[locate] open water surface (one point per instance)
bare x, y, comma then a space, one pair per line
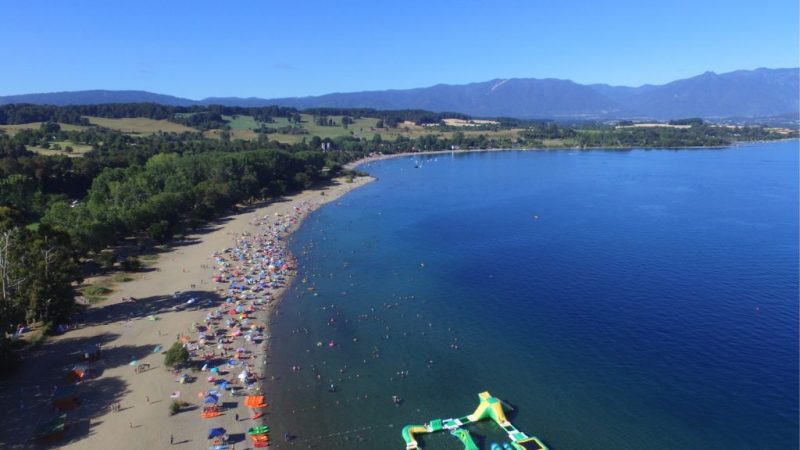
643, 299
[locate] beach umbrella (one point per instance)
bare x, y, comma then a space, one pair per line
210, 400
216, 432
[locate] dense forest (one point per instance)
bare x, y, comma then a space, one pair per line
58, 211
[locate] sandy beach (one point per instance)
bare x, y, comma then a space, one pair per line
126, 332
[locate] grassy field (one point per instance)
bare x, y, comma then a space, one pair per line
139, 125
78, 150
242, 127
11, 130
241, 122
244, 134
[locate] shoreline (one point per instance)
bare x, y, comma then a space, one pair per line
383, 156
130, 331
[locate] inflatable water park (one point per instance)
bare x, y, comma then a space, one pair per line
490, 408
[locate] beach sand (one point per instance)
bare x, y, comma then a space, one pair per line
125, 333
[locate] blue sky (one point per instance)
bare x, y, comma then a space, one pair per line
265, 48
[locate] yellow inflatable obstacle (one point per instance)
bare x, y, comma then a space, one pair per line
489, 408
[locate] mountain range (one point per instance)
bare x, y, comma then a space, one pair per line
751, 94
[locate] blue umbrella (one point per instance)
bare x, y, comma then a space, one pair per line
214, 432
210, 400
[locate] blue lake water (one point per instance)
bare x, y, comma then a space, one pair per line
643, 299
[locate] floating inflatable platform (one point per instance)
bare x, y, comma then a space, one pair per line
489, 408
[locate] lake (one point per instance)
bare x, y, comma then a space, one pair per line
615, 299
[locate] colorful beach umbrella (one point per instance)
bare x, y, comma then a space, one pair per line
216, 432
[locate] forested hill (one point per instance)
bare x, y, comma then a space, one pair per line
743, 94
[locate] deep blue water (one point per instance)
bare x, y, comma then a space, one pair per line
653, 304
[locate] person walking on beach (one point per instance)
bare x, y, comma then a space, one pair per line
171, 440
237, 417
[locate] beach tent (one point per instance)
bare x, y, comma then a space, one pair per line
216, 432
210, 400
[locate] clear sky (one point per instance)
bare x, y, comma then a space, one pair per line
269, 49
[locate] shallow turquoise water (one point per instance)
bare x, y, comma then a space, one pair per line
652, 304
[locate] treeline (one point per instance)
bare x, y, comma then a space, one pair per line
171, 191
73, 114
201, 116
38, 269
695, 136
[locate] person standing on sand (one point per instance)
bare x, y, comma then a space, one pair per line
171, 440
